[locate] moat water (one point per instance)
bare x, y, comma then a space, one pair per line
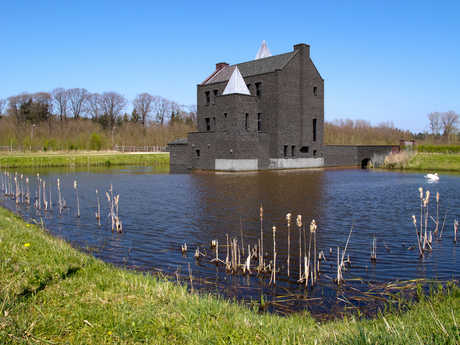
160, 212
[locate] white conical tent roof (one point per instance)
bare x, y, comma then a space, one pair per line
236, 84
263, 52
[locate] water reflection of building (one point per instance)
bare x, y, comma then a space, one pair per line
263, 114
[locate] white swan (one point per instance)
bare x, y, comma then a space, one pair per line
432, 176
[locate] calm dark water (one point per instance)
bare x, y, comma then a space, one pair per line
161, 212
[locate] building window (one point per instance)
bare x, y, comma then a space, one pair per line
285, 150
314, 130
214, 123
197, 153
207, 97
259, 121
215, 92
293, 151
246, 122
314, 153
259, 89
304, 149
314, 90
208, 123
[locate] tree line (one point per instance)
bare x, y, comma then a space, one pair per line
107, 108
444, 126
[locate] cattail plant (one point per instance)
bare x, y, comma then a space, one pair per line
274, 255
78, 203
51, 203
455, 230
288, 217
313, 228
60, 200
227, 262
437, 213
111, 210
414, 220
39, 193
22, 190
45, 203
261, 246
98, 213
17, 190
299, 224
118, 223
28, 191
374, 249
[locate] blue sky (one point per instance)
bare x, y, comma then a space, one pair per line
381, 60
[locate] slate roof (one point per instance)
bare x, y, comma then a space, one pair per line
250, 68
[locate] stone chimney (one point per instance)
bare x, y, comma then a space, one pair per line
221, 65
303, 48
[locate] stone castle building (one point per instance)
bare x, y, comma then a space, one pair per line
263, 114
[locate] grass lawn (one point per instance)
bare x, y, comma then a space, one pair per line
77, 158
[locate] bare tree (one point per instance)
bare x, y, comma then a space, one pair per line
162, 107
192, 113
435, 122
19, 106
61, 100
42, 107
77, 101
143, 105
449, 121
112, 103
93, 105
2, 106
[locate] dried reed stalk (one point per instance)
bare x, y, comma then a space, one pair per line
60, 200
78, 202
261, 247
455, 230
241, 230
299, 224
288, 217
274, 255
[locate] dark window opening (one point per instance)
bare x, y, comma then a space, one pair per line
314, 90
285, 150
259, 89
293, 151
314, 130
197, 153
214, 123
304, 149
259, 121
246, 122
215, 92
208, 124
314, 153
207, 97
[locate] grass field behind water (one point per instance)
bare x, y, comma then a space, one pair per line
81, 159
51, 293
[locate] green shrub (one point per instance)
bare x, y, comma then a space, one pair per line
95, 141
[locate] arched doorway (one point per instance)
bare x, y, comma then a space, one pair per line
365, 163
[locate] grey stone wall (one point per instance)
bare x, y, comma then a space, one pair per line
355, 155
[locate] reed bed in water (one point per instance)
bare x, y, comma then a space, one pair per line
53, 289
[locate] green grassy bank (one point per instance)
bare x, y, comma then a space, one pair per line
64, 159
423, 161
52, 293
